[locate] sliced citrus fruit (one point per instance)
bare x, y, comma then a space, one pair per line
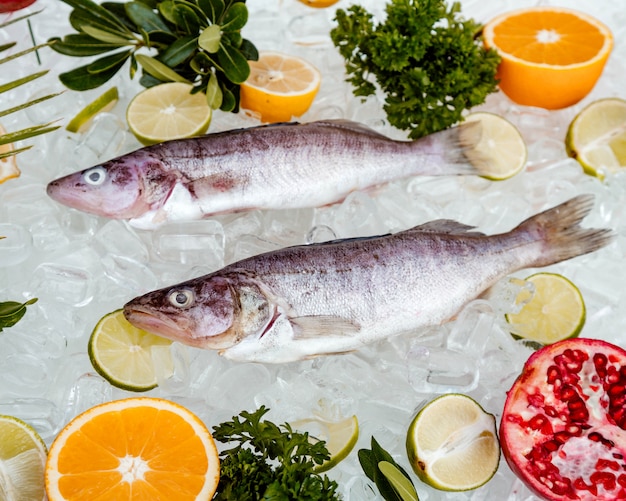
551, 56
340, 437
555, 311
168, 111
452, 443
597, 137
22, 461
103, 103
280, 86
135, 448
501, 151
8, 165
319, 4
122, 354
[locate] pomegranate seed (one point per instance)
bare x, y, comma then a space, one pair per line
600, 361
553, 374
604, 464
580, 484
606, 479
568, 393
536, 400
540, 422
550, 411
621, 480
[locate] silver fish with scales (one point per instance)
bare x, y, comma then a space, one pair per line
280, 166
310, 300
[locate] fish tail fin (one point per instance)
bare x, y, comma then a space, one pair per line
457, 146
559, 231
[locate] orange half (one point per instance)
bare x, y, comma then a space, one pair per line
551, 56
133, 449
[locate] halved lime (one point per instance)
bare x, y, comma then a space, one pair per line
104, 102
452, 443
22, 461
168, 111
596, 137
122, 354
501, 151
340, 437
555, 311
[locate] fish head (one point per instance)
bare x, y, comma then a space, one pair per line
122, 188
203, 312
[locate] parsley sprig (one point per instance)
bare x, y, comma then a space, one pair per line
424, 56
270, 462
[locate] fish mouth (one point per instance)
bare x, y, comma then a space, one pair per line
152, 322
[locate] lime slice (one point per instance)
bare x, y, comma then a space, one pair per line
340, 437
452, 444
501, 151
22, 461
597, 137
168, 111
122, 354
555, 311
103, 103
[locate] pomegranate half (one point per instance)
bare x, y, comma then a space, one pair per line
563, 428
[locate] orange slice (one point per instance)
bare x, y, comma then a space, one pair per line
551, 56
280, 86
319, 4
133, 449
8, 165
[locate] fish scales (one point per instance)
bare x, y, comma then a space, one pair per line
305, 301
280, 166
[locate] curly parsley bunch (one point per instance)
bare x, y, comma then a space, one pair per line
428, 61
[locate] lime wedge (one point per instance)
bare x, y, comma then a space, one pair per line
22, 461
555, 311
452, 443
596, 137
105, 102
168, 111
340, 437
123, 354
501, 151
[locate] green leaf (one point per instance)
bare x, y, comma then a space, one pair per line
11, 312
214, 95
229, 101
96, 14
180, 51
106, 36
14, 152
400, 483
23, 52
213, 9
79, 45
144, 16
159, 70
13, 20
234, 38
235, 17
248, 50
82, 79
28, 104
210, 37
7, 46
233, 63
21, 81
20, 135
108, 63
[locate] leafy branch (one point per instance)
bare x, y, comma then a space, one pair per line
195, 41
12, 312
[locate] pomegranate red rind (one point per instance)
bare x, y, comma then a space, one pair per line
563, 428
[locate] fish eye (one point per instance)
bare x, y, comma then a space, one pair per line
182, 298
95, 176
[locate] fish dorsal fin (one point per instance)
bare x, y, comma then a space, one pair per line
448, 226
342, 123
319, 326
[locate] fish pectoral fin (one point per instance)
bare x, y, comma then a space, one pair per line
322, 325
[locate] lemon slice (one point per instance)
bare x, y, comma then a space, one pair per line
103, 103
596, 137
280, 86
340, 437
8, 165
168, 111
501, 151
122, 354
452, 444
22, 461
319, 4
555, 311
